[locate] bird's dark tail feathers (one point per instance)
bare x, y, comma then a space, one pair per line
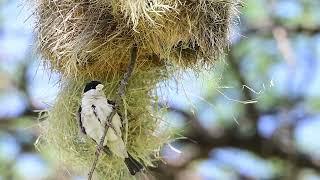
133, 165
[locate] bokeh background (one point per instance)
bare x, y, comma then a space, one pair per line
256, 115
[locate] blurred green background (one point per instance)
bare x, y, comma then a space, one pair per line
255, 116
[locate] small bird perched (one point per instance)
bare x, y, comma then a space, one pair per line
93, 116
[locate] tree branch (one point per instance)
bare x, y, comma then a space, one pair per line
290, 29
263, 147
118, 99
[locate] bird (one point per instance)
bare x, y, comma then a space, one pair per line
93, 115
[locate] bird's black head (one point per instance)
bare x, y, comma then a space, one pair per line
91, 85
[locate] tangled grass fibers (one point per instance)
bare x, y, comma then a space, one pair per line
91, 39
141, 121
81, 37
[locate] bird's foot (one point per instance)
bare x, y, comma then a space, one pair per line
108, 124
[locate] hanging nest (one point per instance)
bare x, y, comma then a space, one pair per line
85, 37
88, 40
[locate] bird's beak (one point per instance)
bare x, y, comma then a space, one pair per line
99, 87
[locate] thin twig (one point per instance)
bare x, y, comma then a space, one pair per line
127, 75
118, 99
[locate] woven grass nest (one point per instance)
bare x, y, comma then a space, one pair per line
86, 40
89, 36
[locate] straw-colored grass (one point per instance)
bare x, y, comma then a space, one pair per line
79, 37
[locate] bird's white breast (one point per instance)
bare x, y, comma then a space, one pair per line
94, 120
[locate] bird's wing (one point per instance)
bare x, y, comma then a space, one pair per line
83, 130
117, 124
113, 103
117, 120
103, 110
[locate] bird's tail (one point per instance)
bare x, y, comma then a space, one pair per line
133, 165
